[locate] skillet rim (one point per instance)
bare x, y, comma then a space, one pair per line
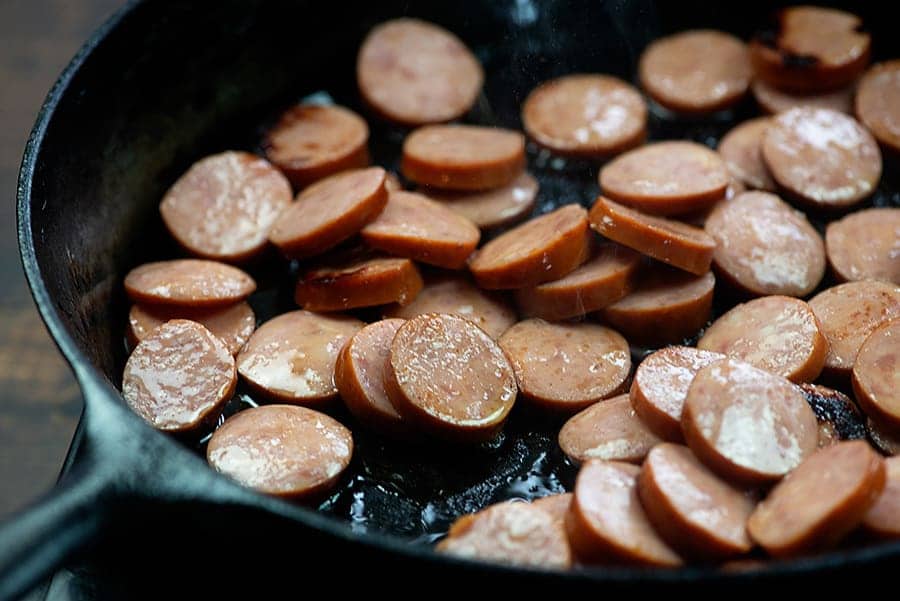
90, 380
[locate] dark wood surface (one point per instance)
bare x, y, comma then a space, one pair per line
39, 401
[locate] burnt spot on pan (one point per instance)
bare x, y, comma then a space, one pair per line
836, 411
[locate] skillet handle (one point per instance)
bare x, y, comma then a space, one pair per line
36, 541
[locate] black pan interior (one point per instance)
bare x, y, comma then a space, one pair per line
209, 76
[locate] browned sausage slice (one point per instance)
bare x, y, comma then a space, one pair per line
606, 522
493, 208
463, 157
876, 374
608, 430
826, 497
741, 148
232, 325
557, 506
666, 178
883, 518
513, 533
848, 313
224, 206
667, 306
188, 283
821, 157
673, 242
608, 277
865, 245
291, 357
359, 375
447, 376
359, 281
417, 227
589, 115
179, 377
311, 142
692, 508
540, 250
414, 72
763, 246
775, 333
883, 438
773, 100
330, 211
814, 49
698, 71
748, 425
878, 102
459, 297
838, 416
566, 367
661, 384
282, 450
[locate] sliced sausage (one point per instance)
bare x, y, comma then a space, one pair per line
883, 518
557, 506
848, 313
232, 325
290, 358
608, 430
698, 71
188, 283
606, 522
179, 377
224, 206
413, 72
821, 157
825, 498
812, 49
414, 226
359, 376
392, 182
883, 438
691, 508
586, 115
876, 374
838, 417
667, 306
775, 333
661, 384
877, 101
566, 367
608, 277
493, 208
513, 533
448, 377
666, 178
330, 211
741, 148
865, 245
746, 424
540, 250
311, 142
463, 157
282, 450
773, 100
673, 242
359, 281
459, 297
763, 246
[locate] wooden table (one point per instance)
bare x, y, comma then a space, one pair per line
39, 401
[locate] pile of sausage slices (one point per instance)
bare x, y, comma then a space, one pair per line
708, 453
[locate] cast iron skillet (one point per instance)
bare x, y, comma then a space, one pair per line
161, 85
